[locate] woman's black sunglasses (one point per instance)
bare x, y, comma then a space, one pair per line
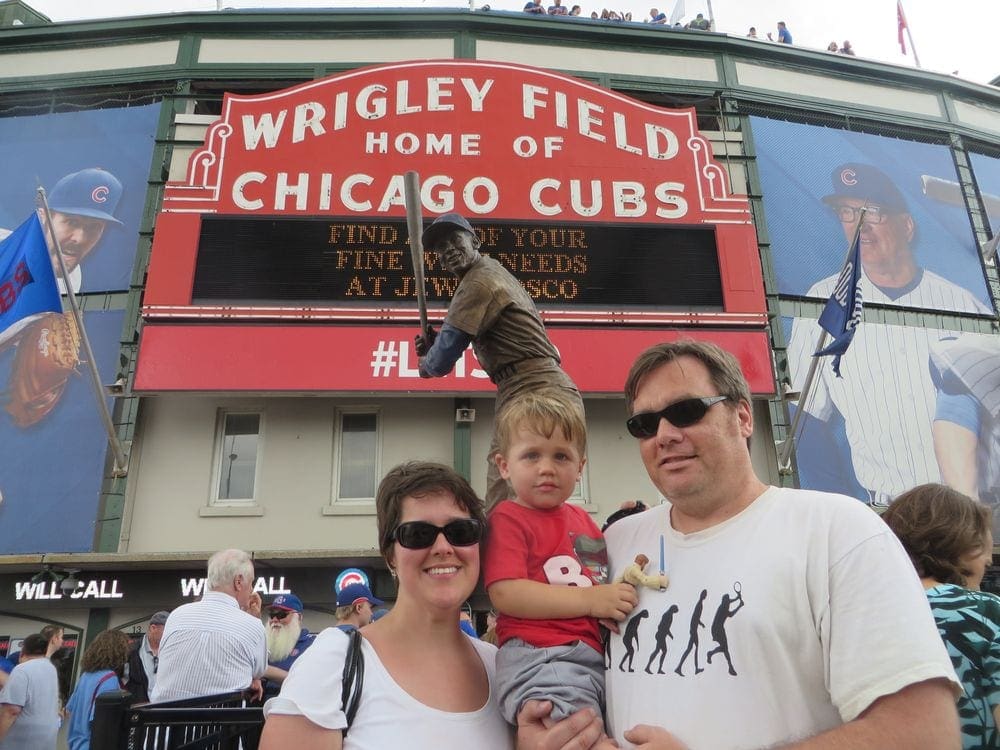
462, 532
680, 414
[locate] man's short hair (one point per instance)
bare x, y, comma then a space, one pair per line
417, 479
225, 565
723, 368
50, 631
542, 412
35, 644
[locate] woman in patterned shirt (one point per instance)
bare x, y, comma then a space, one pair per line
949, 538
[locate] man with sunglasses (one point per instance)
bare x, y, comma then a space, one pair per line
492, 311
286, 640
144, 659
834, 645
886, 396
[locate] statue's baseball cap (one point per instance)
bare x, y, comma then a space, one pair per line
866, 183
90, 192
442, 225
288, 602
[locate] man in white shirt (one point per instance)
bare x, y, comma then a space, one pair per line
212, 646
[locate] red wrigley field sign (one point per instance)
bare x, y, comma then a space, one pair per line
609, 211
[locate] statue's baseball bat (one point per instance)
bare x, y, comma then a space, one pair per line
950, 193
415, 227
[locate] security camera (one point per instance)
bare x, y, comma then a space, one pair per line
69, 584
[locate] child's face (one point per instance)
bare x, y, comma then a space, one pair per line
542, 470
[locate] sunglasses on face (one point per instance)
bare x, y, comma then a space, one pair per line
462, 532
278, 614
680, 414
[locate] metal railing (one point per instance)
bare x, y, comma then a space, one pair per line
214, 722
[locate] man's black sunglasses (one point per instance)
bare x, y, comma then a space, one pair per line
462, 532
278, 614
680, 414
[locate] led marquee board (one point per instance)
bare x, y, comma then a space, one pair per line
277, 261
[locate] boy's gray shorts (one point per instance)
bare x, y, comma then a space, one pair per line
571, 676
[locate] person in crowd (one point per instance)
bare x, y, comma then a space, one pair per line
144, 659
490, 635
355, 604
752, 34
575, 10
430, 524
557, 8
887, 411
100, 672
534, 6
212, 646
829, 614
846, 48
53, 635
466, 623
655, 16
29, 702
492, 311
700, 23
784, 35
832, 47
949, 538
546, 563
287, 640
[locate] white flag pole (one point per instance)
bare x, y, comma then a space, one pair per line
121, 463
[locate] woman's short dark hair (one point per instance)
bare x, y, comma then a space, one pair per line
938, 526
417, 479
108, 651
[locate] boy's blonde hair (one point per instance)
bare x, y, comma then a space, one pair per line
542, 412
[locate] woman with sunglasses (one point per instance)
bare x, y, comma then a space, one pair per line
426, 684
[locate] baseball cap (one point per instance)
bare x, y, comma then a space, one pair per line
442, 225
89, 192
356, 592
867, 183
159, 618
288, 602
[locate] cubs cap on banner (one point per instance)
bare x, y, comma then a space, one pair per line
356, 592
89, 192
442, 225
288, 602
866, 183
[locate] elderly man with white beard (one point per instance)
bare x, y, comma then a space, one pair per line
286, 640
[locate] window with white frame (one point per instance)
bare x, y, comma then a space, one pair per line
238, 451
357, 446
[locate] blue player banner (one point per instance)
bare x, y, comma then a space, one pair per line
917, 251
842, 313
987, 173
94, 166
27, 281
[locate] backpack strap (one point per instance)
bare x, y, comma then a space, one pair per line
354, 677
105, 678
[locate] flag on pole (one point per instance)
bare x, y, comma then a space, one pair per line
27, 281
842, 313
678, 12
901, 22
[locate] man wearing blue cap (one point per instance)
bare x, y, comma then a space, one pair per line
82, 205
885, 402
354, 606
286, 640
493, 312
